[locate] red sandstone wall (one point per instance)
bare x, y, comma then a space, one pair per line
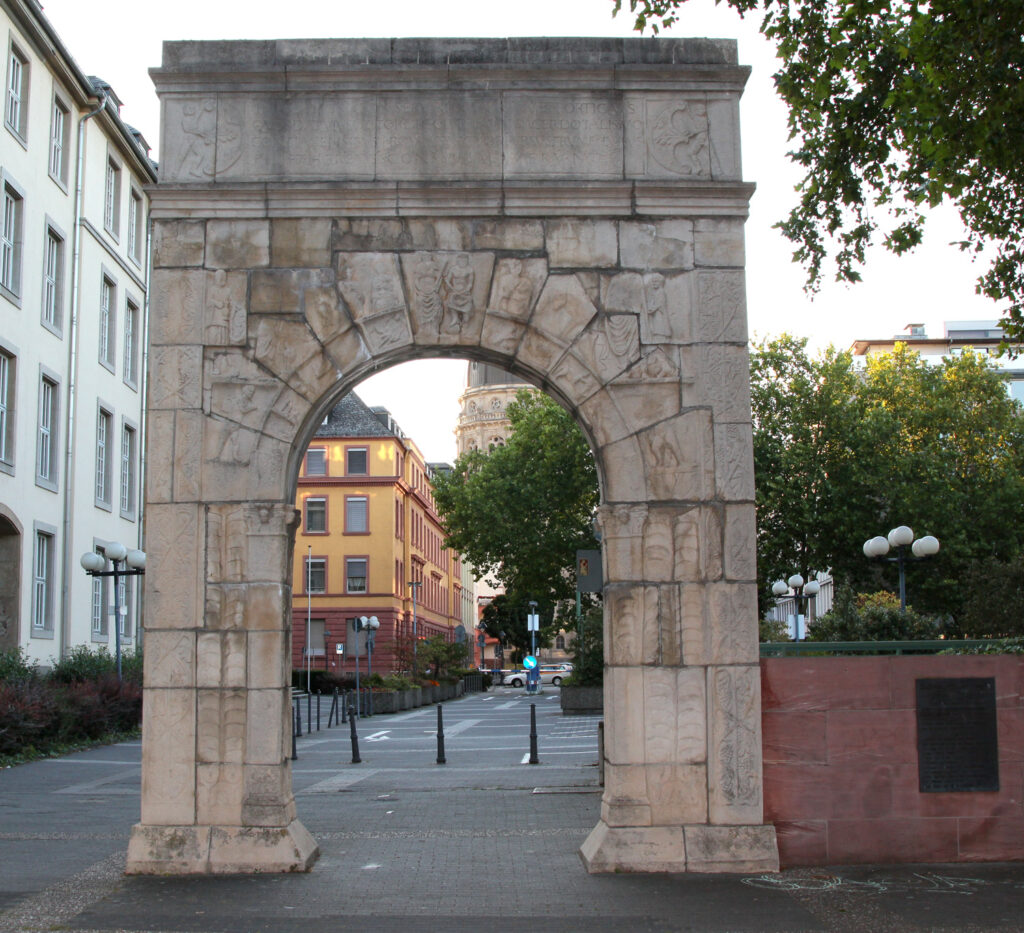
840, 763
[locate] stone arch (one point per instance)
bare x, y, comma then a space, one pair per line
330, 212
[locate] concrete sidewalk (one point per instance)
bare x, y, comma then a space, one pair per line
485, 842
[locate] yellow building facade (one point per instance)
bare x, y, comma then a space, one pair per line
369, 544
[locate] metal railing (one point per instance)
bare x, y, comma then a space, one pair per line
785, 649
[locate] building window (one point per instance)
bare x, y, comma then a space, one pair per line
46, 434
355, 574
60, 126
108, 295
357, 520
128, 472
99, 602
130, 364
317, 638
316, 461
356, 461
8, 382
53, 281
112, 198
42, 582
316, 574
11, 240
316, 516
104, 431
136, 217
560, 643
16, 109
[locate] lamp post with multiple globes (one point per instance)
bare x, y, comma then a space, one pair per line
134, 562
803, 592
902, 539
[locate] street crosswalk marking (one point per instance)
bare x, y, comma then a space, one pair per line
337, 782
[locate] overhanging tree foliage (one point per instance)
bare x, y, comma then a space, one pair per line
519, 512
842, 455
896, 106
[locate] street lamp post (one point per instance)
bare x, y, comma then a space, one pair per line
414, 585
135, 565
533, 676
901, 539
803, 592
371, 624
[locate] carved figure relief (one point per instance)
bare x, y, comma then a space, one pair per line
656, 307
737, 744
199, 126
458, 298
721, 304
428, 275
514, 290
225, 314
678, 138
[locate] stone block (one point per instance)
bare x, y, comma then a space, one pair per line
634, 849
173, 548
177, 307
675, 716
186, 457
624, 468
667, 136
625, 733
657, 245
604, 420
734, 461
678, 793
697, 543
622, 542
724, 130
175, 377
281, 291
634, 636
237, 244
170, 658
569, 134
178, 243
464, 141
168, 756
516, 286
734, 745
678, 457
719, 243
267, 660
749, 848
582, 244
740, 535
159, 449
220, 726
721, 307
268, 727
168, 850
564, 309
721, 380
219, 794
300, 243
440, 233
220, 659
248, 849
508, 235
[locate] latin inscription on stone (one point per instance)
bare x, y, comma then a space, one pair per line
957, 745
454, 136
553, 135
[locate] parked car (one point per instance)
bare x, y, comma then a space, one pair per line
554, 674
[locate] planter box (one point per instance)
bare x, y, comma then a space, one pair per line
582, 701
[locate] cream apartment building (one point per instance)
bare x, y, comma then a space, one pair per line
73, 286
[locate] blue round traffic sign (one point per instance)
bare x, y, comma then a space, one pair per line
529, 662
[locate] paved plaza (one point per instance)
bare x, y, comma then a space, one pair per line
484, 842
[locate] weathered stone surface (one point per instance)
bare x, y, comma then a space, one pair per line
178, 243
582, 244
581, 225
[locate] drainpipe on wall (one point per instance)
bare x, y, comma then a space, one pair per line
144, 427
72, 379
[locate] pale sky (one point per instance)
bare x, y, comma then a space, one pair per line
119, 40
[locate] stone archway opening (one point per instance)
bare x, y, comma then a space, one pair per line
571, 210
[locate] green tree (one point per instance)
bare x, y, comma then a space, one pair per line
842, 455
519, 512
896, 106
504, 618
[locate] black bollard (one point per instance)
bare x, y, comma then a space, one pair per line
355, 738
295, 754
440, 736
298, 716
333, 715
309, 713
318, 711
534, 760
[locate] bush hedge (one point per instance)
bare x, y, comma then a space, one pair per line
80, 700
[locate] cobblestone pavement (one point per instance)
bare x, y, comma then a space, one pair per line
486, 841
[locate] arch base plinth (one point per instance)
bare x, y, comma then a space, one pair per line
702, 848
220, 850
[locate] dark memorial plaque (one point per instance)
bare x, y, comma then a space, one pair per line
957, 746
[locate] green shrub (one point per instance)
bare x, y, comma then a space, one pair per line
588, 652
82, 663
872, 617
15, 666
997, 646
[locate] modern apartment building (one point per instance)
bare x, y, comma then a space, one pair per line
73, 286
370, 543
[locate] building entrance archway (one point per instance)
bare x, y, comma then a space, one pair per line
570, 210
